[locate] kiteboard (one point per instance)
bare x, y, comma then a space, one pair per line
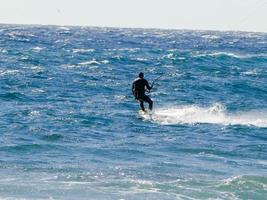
146, 115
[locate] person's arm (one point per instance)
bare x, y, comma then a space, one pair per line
148, 86
133, 89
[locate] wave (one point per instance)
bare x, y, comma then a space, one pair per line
8, 72
214, 114
90, 62
256, 185
12, 96
94, 62
233, 55
2, 50
82, 50
22, 147
52, 137
132, 50
211, 37
37, 49
253, 72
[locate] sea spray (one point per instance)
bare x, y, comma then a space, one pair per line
214, 114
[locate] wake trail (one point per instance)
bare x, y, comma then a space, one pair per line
214, 114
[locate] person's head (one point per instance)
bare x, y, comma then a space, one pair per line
141, 75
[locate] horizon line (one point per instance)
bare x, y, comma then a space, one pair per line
125, 27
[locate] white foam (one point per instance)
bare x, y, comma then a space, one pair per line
125, 49
214, 114
34, 113
90, 62
120, 97
230, 54
37, 49
212, 37
244, 181
253, 72
8, 72
38, 90
172, 56
141, 59
82, 50
64, 28
104, 61
169, 56
94, 62
2, 50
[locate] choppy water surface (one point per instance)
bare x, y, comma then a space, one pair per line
70, 129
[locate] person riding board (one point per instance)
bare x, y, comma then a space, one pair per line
139, 86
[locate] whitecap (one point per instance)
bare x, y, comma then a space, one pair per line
230, 54
38, 91
64, 28
120, 97
172, 56
172, 50
34, 113
62, 41
12, 34
16, 35
141, 59
262, 42
253, 72
245, 181
168, 56
2, 50
215, 54
90, 62
104, 61
142, 182
35, 68
67, 66
8, 72
230, 180
125, 49
82, 50
212, 37
37, 49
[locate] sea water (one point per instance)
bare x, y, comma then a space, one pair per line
70, 127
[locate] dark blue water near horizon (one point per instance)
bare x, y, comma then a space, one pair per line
70, 127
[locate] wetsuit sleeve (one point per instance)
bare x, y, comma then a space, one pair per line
148, 86
133, 90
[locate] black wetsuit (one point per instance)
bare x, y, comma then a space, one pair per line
138, 88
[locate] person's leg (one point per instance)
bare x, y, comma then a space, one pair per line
142, 105
148, 100
150, 104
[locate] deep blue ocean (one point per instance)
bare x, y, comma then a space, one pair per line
71, 129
